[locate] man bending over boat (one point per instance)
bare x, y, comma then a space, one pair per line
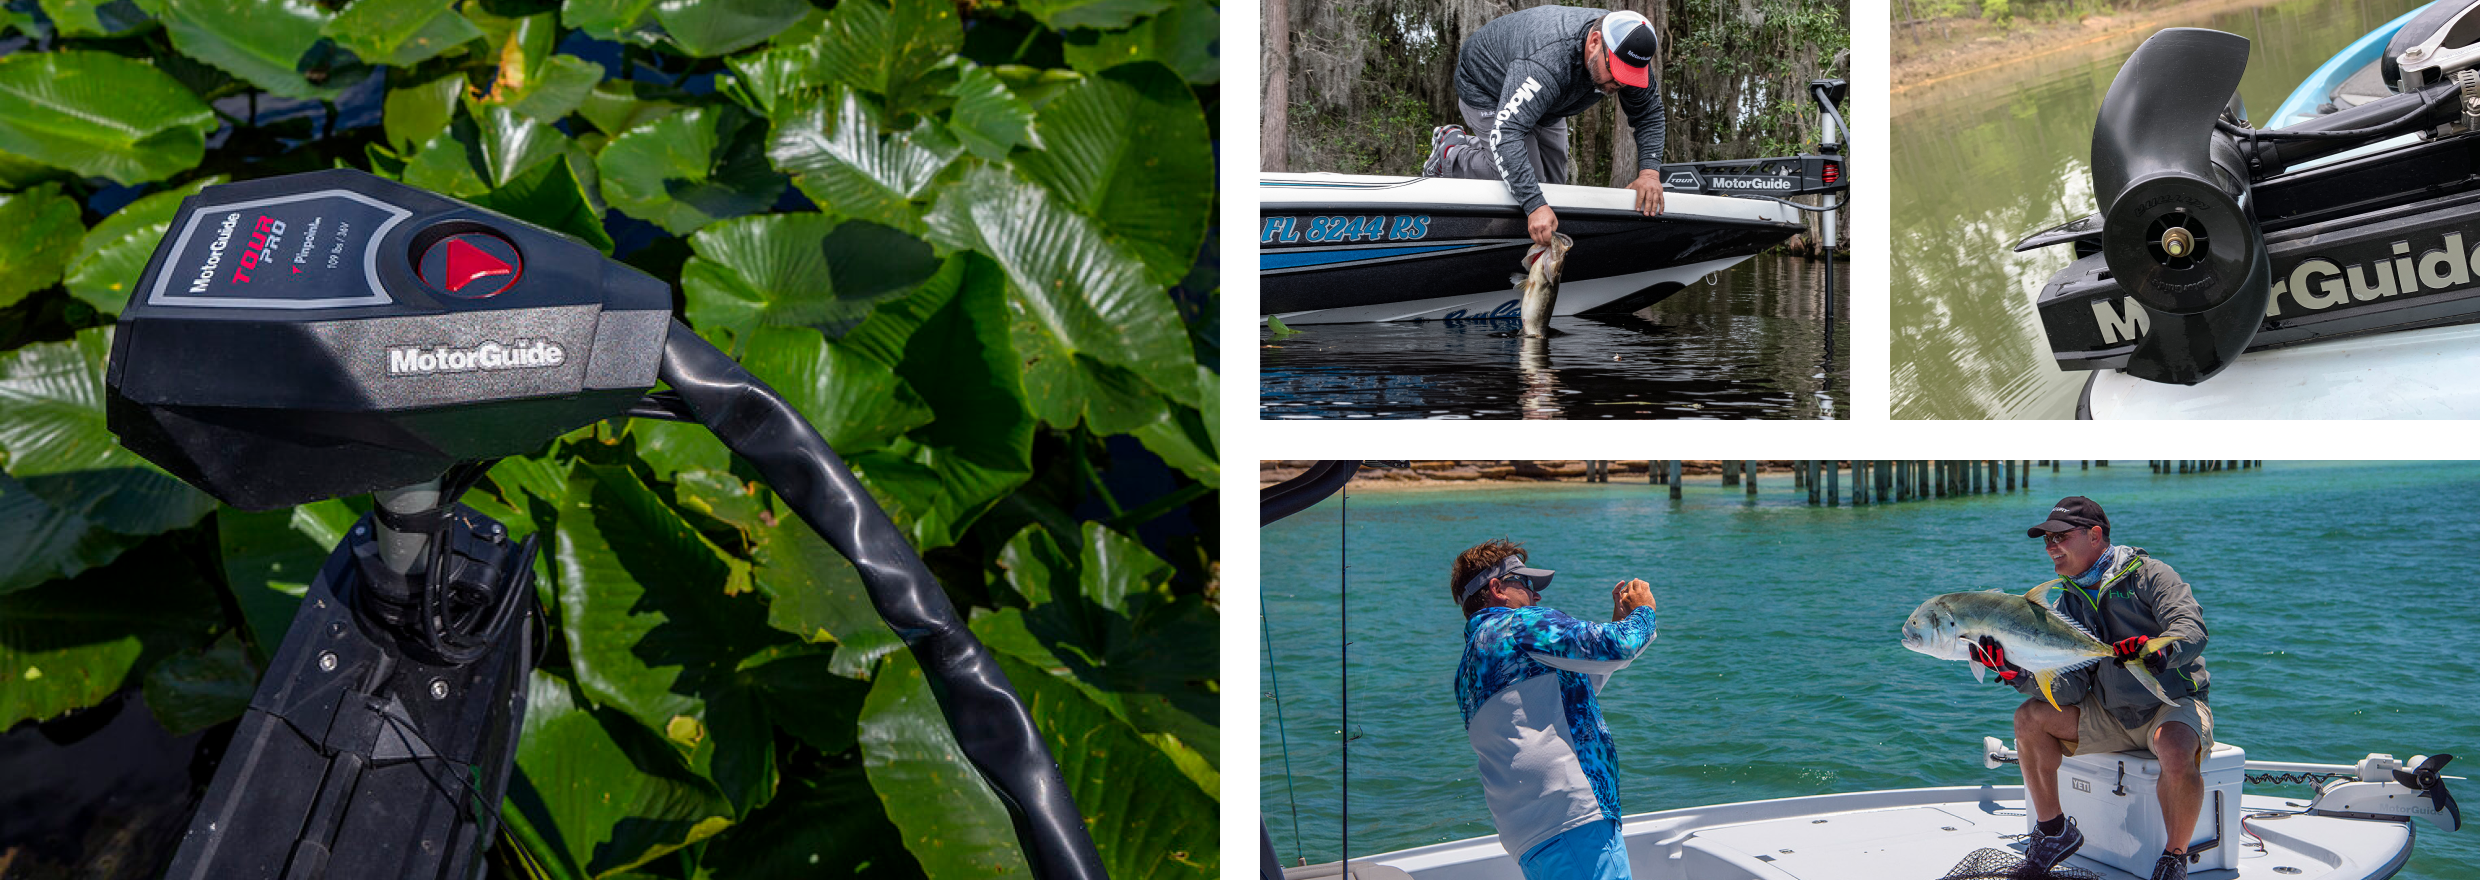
1527, 690
1522, 77
2123, 597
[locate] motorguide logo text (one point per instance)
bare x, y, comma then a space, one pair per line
422, 360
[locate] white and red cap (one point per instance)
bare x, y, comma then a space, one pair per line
1630, 45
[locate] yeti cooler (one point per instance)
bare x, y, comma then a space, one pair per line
2114, 797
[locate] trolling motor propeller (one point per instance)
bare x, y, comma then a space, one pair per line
2179, 234
2428, 778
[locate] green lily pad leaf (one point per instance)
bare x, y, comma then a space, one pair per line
555, 89
690, 169
645, 601
834, 147
70, 643
400, 32
270, 559
510, 143
96, 18
951, 820
671, 448
616, 106
446, 164
715, 27
1100, 14
1183, 37
809, 696
113, 254
262, 42
201, 687
950, 341
990, 119
857, 403
1095, 332
1169, 833
1110, 623
18, 172
21, 22
58, 447
40, 542
100, 115
900, 54
553, 196
826, 826
595, 794
43, 236
618, 20
795, 270
815, 593
1129, 149
1184, 440
413, 115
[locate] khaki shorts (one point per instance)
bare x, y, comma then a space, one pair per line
2100, 732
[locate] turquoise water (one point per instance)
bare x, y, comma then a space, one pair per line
2342, 600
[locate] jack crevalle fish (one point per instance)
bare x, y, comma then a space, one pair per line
1536, 295
2033, 634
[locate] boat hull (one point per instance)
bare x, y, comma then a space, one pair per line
2408, 374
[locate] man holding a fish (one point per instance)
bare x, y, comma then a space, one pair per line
2109, 601
1527, 689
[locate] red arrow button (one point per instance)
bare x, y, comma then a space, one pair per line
468, 262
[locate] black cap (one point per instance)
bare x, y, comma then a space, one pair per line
2075, 512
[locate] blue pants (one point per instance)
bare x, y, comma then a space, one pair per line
1590, 852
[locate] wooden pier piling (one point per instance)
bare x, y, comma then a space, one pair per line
1674, 478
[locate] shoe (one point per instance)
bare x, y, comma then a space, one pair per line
1444, 138
2170, 867
2045, 851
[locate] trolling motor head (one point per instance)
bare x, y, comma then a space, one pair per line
326, 334
2179, 233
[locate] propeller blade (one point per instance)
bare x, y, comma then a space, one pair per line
2176, 231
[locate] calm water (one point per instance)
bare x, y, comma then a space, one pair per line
1747, 343
1984, 159
2342, 603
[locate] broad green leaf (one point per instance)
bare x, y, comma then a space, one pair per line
596, 794
1110, 623
40, 542
951, 820
812, 698
1094, 332
834, 147
828, 826
645, 601
113, 254
616, 106
21, 22
43, 235
399, 32
270, 559
71, 643
1149, 818
617, 20
1099, 14
447, 164
1129, 149
100, 115
795, 270
900, 54
672, 447
200, 687
18, 172
988, 118
555, 88
815, 593
415, 114
263, 42
96, 18
58, 447
1184, 440
950, 341
690, 169
1183, 37
552, 196
708, 28
858, 404
511, 144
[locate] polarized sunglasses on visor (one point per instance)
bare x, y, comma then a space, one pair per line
1510, 568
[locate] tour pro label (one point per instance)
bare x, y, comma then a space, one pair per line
316, 250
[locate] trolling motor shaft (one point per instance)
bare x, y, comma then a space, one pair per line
364, 752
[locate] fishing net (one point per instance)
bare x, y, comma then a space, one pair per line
1998, 864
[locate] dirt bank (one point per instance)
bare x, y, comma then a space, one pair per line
1929, 51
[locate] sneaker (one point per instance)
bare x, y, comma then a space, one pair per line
1444, 138
2046, 851
2170, 867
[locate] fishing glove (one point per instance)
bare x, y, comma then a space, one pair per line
1989, 653
2129, 648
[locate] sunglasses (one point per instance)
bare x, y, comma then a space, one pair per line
2055, 538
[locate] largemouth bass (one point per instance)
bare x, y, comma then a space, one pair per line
1536, 295
2033, 634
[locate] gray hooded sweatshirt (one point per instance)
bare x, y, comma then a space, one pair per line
1531, 65
2139, 596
